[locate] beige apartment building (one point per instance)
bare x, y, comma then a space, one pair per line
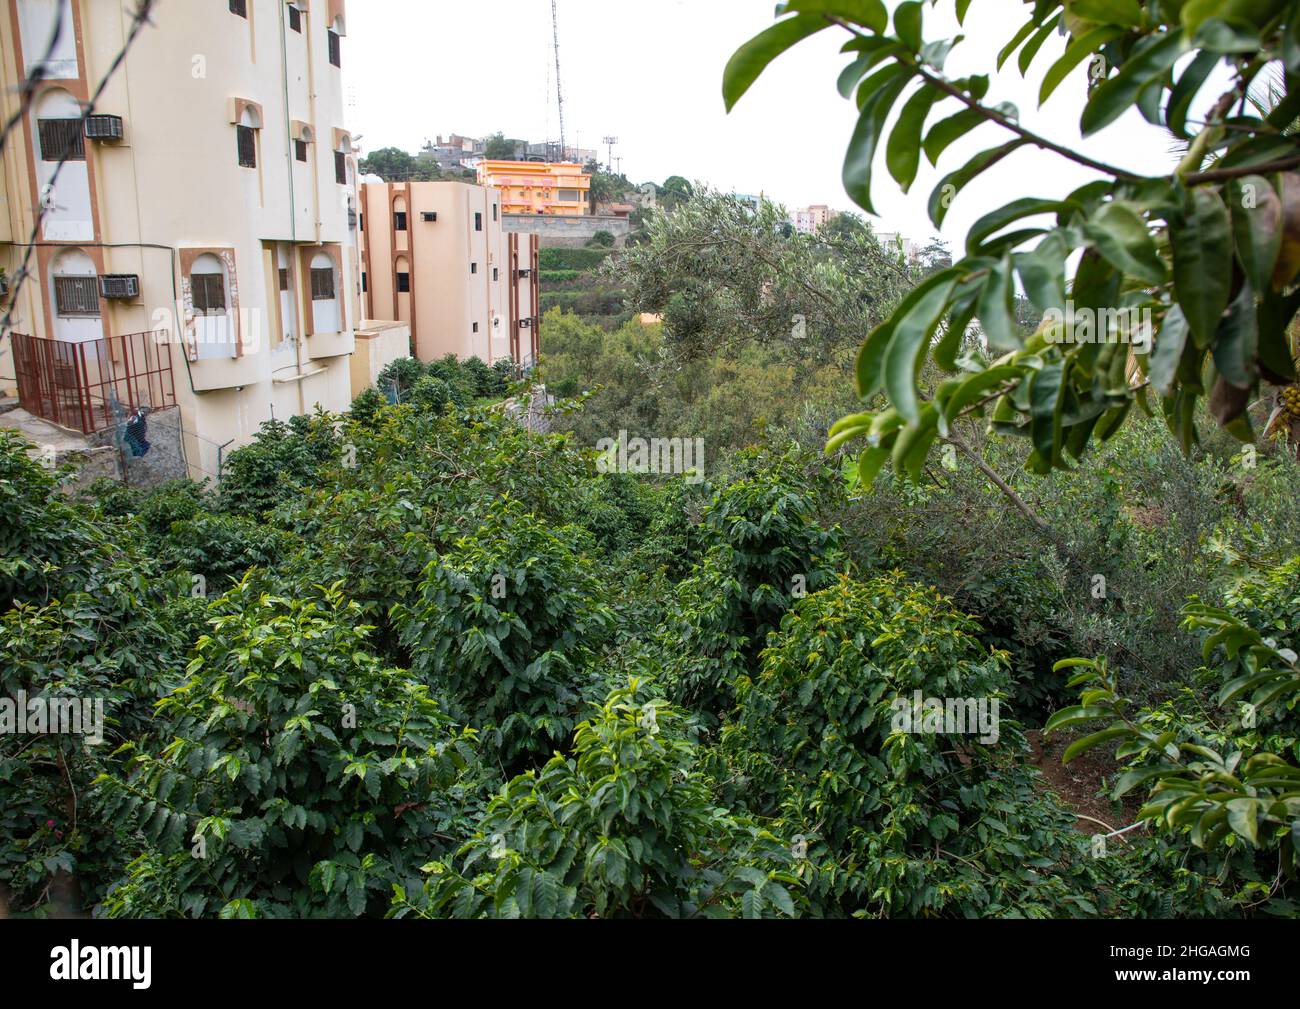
195, 239
434, 256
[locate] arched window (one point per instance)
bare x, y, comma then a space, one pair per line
325, 314
333, 32
214, 335
342, 170
60, 148
74, 295
246, 136
399, 214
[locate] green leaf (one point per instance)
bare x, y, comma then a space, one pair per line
953, 183
871, 356
1237, 339
1201, 240
1096, 739
869, 464
1182, 94
911, 340
976, 387
1045, 402
1113, 97
945, 131
1256, 227
868, 13
751, 59
1121, 235
1162, 365
996, 309
1075, 53
862, 146
1025, 31
1031, 48
903, 152
996, 220
1242, 817
907, 24
1116, 12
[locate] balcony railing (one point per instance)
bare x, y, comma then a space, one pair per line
79, 384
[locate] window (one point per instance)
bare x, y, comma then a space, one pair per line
478, 222
340, 168
571, 195
295, 18
284, 278
239, 7
495, 274
322, 284
247, 146
476, 327
62, 140
209, 293
494, 211
335, 57
76, 296
403, 283
361, 218
300, 150
399, 220
473, 267
364, 287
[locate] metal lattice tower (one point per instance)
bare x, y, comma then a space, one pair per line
559, 95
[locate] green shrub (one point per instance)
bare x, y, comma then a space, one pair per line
507, 624
430, 393
900, 822
304, 778
572, 259
625, 828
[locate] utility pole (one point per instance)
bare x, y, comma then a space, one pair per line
559, 96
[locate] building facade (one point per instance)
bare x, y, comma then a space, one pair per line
193, 243
434, 255
538, 187
808, 220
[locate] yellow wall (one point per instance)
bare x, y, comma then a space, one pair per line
534, 187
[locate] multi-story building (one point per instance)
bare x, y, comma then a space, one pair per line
808, 220
538, 187
434, 256
192, 243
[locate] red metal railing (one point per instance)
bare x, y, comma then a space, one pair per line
75, 383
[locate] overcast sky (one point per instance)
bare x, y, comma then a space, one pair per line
650, 71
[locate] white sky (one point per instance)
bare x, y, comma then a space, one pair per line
650, 72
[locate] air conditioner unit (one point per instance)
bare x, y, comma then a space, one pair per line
102, 127
525, 323
428, 215
523, 273
352, 219
119, 285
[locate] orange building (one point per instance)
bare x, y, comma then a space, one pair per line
538, 187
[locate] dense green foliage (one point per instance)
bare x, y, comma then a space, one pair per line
1183, 283
445, 668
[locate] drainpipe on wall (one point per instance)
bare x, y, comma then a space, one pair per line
300, 335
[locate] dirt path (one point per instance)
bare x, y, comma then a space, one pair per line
1077, 784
